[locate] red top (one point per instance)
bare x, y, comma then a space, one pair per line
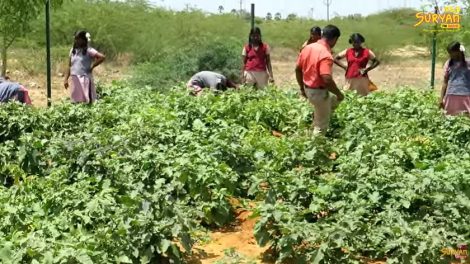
356, 63
255, 59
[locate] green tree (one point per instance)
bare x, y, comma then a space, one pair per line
269, 16
291, 17
15, 17
444, 38
278, 16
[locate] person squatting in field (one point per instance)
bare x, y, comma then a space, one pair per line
256, 69
315, 35
13, 91
208, 79
357, 58
314, 76
455, 94
82, 60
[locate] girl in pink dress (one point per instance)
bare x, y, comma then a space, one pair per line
455, 94
82, 60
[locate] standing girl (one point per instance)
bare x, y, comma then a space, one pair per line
455, 94
315, 35
82, 60
357, 58
256, 70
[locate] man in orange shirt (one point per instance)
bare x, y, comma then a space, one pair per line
314, 76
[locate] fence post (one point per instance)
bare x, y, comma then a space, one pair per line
252, 16
48, 52
433, 61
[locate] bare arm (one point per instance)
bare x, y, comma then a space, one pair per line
338, 59
242, 71
270, 68
332, 87
300, 80
338, 62
444, 85
443, 92
375, 63
99, 58
67, 74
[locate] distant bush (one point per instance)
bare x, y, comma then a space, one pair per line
135, 27
179, 43
223, 56
144, 31
219, 55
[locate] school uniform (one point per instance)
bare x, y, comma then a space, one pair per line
208, 79
13, 91
255, 69
83, 86
457, 96
357, 60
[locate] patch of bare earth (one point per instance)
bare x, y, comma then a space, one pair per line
237, 237
411, 66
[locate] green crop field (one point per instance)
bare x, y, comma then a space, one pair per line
125, 180
143, 175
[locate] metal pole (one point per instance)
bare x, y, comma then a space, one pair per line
48, 52
433, 66
328, 12
327, 3
433, 60
252, 16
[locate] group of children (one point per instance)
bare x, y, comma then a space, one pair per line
257, 70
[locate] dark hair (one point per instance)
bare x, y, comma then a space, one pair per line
231, 83
80, 35
315, 30
356, 37
255, 30
454, 46
330, 32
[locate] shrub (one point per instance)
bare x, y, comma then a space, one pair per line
219, 55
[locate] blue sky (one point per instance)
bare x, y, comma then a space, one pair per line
299, 7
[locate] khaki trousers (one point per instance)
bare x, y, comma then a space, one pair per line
360, 85
259, 79
324, 104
